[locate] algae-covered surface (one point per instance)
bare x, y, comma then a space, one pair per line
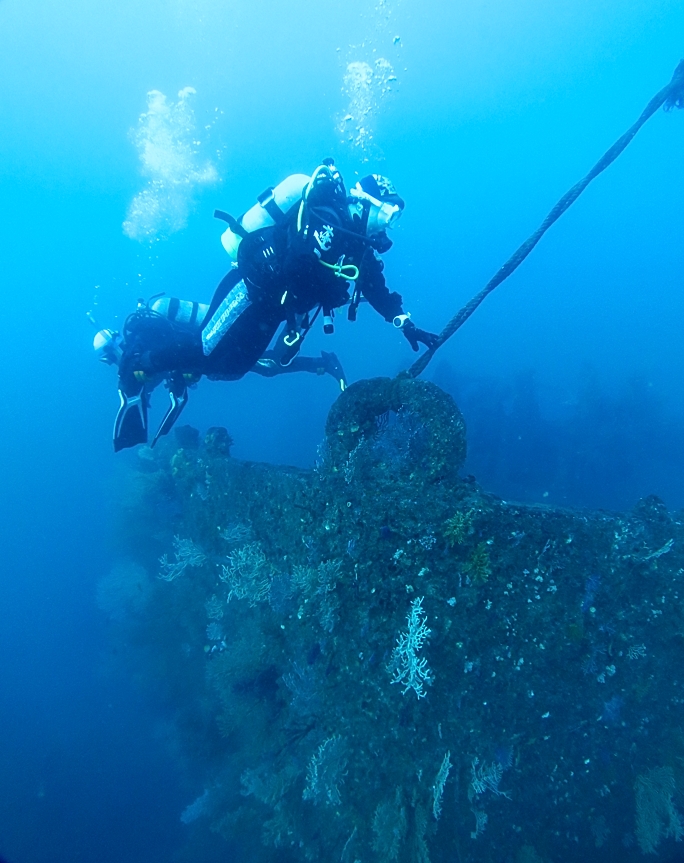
377, 660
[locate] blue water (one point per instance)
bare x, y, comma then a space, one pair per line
570, 376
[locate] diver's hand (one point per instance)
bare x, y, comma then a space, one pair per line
415, 336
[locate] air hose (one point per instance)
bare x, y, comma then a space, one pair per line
350, 272
671, 96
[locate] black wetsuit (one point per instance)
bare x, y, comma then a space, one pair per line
281, 274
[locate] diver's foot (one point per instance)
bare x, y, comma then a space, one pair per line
333, 367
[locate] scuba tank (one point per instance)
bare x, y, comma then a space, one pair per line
271, 207
181, 311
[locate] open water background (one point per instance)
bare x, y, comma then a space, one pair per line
570, 376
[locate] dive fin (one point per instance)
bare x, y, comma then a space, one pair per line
178, 395
130, 425
332, 366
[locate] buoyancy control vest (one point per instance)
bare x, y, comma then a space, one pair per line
300, 239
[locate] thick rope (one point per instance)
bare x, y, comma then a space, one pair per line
671, 96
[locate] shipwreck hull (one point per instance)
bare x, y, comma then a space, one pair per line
376, 660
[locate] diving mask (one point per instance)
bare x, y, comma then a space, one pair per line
381, 215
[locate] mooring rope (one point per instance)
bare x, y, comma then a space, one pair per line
671, 96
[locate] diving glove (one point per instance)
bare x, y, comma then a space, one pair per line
413, 334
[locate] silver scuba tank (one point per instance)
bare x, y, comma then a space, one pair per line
285, 195
181, 311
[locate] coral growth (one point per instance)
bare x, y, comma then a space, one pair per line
656, 815
407, 668
458, 528
479, 566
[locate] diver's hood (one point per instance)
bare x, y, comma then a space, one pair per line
107, 345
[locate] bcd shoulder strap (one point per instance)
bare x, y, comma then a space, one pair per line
267, 201
233, 223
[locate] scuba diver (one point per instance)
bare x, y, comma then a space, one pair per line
306, 248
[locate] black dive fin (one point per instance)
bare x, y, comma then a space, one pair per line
178, 394
130, 425
333, 366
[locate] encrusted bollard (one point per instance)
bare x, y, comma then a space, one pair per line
429, 415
